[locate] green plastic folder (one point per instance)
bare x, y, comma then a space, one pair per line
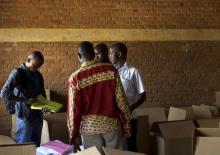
44, 103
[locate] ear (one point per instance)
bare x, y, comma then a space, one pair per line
79, 55
29, 60
119, 54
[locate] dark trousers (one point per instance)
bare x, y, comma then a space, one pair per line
130, 143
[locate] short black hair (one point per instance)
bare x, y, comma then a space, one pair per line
86, 50
102, 48
37, 55
120, 47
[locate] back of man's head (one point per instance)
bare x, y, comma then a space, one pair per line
120, 47
86, 51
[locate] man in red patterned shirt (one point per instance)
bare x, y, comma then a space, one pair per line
97, 105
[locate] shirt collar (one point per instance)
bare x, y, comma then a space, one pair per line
24, 67
123, 67
87, 63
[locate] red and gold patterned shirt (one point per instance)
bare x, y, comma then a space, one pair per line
96, 101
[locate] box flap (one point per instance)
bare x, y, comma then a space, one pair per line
176, 114
6, 140
208, 123
201, 111
207, 132
189, 112
18, 149
213, 109
177, 129
90, 151
155, 114
217, 96
110, 151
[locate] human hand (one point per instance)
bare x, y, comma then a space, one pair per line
76, 145
127, 133
76, 148
30, 101
45, 110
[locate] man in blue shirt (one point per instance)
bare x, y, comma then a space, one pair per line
23, 85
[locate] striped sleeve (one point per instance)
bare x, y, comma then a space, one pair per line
73, 111
123, 106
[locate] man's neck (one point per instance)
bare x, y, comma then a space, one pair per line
119, 64
27, 65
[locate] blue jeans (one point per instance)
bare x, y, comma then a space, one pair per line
28, 131
130, 143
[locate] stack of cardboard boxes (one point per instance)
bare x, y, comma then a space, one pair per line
192, 130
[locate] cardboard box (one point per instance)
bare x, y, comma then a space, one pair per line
207, 141
90, 151
155, 114
214, 110
110, 151
143, 139
57, 128
217, 98
202, 112
176, 114
18, 149
173, 138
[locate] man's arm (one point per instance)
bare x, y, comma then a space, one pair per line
123, 106
42, 85
13, 80
139, 102
73, 112
8, 88
137, 80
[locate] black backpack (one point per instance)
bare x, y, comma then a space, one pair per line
10, 105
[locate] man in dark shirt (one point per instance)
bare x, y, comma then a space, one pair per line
23, 85
101, 53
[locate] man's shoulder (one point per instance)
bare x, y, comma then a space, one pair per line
103, 65
99, 67
15, 73
132, 69
74, 74
92, 69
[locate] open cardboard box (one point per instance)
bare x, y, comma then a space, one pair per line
18, 149
173, 138
207, 141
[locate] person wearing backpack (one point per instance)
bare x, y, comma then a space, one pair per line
21, 88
